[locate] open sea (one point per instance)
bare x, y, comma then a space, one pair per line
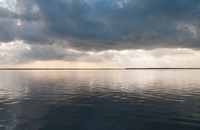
100, 99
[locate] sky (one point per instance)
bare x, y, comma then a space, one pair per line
99, 33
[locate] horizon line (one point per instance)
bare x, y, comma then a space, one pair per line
95, 68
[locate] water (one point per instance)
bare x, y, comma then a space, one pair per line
100, 100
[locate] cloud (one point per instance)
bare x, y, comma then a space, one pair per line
52, 52
19, 53
52, 27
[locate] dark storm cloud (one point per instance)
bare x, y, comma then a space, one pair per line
104, 24
5, 13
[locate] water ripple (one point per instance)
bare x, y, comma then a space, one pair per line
90, 100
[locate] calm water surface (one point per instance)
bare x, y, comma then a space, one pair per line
100, 100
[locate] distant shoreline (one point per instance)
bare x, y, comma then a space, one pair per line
93, 68
158, 68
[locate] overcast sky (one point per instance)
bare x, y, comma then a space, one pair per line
99, 33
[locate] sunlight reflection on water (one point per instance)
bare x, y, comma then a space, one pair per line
100, 99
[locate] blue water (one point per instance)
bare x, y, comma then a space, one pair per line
100, 100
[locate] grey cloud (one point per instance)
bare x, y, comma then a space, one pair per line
5, 13
7, 30
159, 53
24, 53
52, 52
104, 24
19, 53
